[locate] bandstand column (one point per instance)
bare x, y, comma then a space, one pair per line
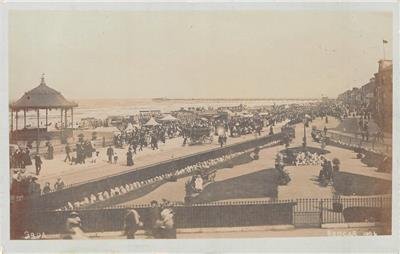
47, 113
65, 116
37, 136
16, 120
72, 118
61, 118
24, 118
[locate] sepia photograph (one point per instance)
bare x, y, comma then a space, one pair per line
199, 123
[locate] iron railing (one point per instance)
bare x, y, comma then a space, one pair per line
300, 213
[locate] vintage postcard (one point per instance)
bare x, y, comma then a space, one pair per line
139, 122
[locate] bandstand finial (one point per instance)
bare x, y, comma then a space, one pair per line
42, 80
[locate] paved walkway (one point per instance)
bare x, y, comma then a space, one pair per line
72, 174
249, 232
300, 232
348, 160
304, 184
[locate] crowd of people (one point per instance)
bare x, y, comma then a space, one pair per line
160, 223
24, 184
84, 150
245, 125
137, 138
145, 136
21, 157
364, 117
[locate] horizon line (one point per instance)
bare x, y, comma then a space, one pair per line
189, 98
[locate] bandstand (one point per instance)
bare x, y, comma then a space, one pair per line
38, 99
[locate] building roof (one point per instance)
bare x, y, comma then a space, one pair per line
42, 96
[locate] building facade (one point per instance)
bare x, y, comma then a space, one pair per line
368, 96
375, 97
384, 95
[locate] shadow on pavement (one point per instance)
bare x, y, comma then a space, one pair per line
260, 184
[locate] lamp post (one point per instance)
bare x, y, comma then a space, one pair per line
305, 122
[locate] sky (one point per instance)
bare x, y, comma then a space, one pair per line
196, 54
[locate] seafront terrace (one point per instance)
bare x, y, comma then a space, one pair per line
254, 179
364, 194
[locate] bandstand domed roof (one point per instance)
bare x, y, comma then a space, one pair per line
42, 96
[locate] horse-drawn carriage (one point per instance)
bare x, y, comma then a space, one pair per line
200, 135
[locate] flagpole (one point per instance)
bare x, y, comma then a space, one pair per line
383, 48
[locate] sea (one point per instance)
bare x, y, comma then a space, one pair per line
103, 108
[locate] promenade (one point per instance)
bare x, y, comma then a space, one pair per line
74, 174
253, 180
233, 182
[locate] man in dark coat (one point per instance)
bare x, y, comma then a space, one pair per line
131, 223
34, 188
38, 163
110, 153
154, 218
67, 151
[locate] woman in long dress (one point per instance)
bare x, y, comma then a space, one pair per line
129, 158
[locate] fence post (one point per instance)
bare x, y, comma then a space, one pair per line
293, 211
320, 212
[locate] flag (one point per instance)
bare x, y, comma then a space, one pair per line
385, 41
